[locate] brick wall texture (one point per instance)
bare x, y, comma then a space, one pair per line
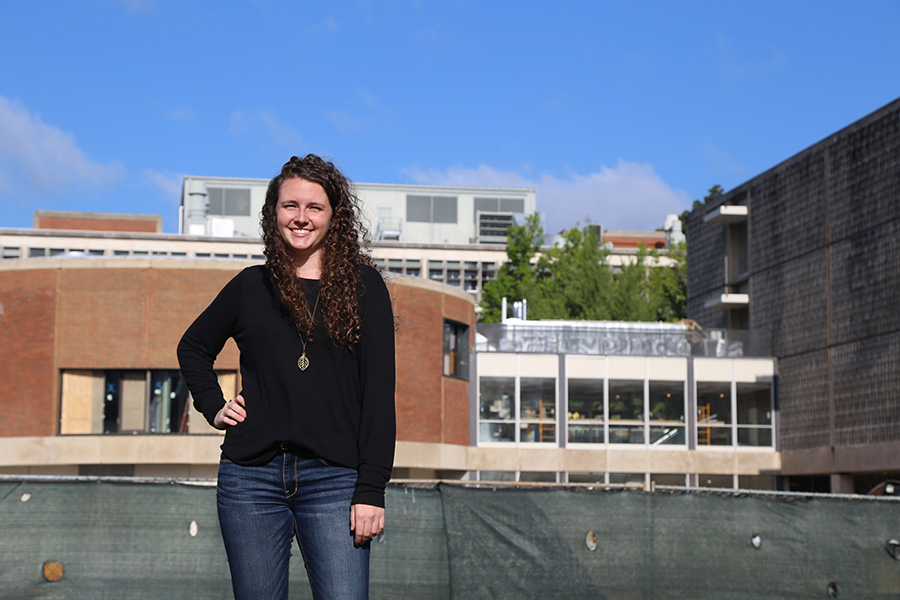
109, 317
152, 225
824, 251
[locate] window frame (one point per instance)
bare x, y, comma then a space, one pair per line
455, 350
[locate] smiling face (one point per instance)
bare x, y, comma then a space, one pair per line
303, 214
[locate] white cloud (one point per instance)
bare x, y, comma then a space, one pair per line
41, 156
367, 113
629, 196
168, 183
268, 124
174, 113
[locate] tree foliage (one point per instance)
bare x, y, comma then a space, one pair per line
713, 193
574, 280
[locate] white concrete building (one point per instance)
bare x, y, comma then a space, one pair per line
417, 214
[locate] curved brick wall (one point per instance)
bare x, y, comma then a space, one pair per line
129, 314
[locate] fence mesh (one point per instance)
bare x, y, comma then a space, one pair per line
129, 539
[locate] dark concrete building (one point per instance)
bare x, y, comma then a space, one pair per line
808, 253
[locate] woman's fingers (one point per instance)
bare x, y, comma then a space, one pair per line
232, 413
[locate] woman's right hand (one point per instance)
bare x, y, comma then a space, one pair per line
232, 413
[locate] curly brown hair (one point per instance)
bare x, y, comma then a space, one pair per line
344, 243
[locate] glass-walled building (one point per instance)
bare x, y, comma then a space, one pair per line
619, 402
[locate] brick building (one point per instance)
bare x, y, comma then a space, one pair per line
807, 253
91, 380
92, 387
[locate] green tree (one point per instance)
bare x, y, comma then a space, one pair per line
573, 280
581, 277
669, 284
713, 193
516, 277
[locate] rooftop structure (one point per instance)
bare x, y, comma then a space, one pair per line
419, 214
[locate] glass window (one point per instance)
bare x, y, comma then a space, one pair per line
754, 403
125, 401
496, 476
679, 479
444, 209
229, 202
586, 477
431, 209
716, 481
754, 413
754, 436
626, 411
456, 350
110, 402
538, 409
436, 270
11, 252
756, 482
168, 408
514, 205
538, 476
585, 414
418, 209
487, 271
666, 412
713, 413
497, 409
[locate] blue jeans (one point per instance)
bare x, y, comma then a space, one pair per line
262, 508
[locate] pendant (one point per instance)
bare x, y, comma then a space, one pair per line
303, 362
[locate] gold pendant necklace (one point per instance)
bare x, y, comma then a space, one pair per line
303, 361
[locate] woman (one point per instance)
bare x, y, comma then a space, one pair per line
309, 441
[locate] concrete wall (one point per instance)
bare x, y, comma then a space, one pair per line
824, 230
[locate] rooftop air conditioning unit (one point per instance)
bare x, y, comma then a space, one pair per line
492, 226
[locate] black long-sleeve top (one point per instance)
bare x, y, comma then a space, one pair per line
341, 408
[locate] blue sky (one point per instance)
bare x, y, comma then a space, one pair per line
615, 112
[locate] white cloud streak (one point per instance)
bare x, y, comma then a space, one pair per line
168, 183
267, 123
629, 196
38, 155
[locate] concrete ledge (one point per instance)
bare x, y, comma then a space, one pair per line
109, 450
166, 452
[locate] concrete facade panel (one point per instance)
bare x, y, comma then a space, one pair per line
824, 242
